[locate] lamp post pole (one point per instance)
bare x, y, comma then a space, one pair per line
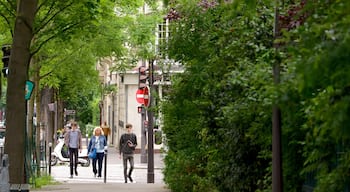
150, 167
277, 176
143, 135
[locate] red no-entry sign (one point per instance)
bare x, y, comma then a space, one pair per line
139, 96
142, 96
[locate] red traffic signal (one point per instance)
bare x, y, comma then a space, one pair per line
143, 76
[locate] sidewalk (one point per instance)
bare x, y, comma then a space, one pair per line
108, 187
86, 181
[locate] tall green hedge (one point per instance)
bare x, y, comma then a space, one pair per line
218, 114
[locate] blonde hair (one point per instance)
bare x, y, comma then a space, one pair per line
94, 133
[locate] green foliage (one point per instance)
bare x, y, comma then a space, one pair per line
220, 102
321, 62
223, 99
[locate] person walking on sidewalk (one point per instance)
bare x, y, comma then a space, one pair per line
72, 140
99, 142
106, 130
127, 145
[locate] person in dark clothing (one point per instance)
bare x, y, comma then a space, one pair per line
127, 145
72, 140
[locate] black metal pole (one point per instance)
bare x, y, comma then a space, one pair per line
150, 167
143, 136
277, 176
105, 169
50, 149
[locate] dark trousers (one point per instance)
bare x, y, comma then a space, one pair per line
99, 160
73, 159
126, 158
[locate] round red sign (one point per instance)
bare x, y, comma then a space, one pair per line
140, 96
143, 96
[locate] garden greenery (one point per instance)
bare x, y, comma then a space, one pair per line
218, 114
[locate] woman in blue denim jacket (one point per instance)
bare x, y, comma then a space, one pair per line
99, 142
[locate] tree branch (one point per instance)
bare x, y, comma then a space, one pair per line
12, 14
45, 75
52, 17
8, 9
8, 23
44, 3
51, 37
57, 63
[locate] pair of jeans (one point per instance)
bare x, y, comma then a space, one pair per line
73, 159
98, 160
126, 158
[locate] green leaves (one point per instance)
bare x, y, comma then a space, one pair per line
226, 93
221, 97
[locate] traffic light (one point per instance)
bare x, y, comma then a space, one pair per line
6, 50
143, 76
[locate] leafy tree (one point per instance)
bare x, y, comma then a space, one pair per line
18, 70
61, 21
79, 31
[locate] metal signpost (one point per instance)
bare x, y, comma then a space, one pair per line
143, 96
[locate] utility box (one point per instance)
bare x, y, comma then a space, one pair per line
19, 187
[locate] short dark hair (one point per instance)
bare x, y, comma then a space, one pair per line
128, 125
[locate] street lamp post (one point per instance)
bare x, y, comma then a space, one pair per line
277, 176
150, 167
143, 135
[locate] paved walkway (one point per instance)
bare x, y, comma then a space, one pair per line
114, 181
107, 187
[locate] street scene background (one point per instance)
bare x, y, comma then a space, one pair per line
114, 181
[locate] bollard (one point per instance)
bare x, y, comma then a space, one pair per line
105, 169
50, 149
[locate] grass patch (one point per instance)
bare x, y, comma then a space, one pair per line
38, 182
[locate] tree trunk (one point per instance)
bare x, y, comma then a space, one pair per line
60, 114
47, 115
36, 76
15, 101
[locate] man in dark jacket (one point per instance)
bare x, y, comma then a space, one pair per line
127, 145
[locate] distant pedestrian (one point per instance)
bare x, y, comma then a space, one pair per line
106, 130
127, 145
72, 140
99, 142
